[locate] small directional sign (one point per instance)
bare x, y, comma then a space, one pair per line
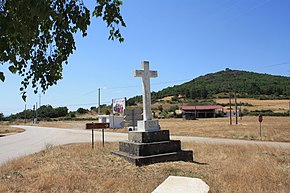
97, 125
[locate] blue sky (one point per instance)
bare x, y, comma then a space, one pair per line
181, 39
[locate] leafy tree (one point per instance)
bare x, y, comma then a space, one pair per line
72, 114
46, 111
37, 36
61, 111
82, 111
94, 109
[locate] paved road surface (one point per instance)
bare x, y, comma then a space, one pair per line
35, 139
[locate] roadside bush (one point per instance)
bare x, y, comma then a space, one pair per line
82, 111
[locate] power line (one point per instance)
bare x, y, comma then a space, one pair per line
280, 64
120, 87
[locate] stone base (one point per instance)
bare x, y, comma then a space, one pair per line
143, 148
186, 156
147, 137
148, 125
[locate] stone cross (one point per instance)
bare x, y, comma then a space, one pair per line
148, 124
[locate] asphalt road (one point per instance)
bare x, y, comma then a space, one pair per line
35, 139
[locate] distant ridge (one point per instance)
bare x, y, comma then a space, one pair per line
219, 84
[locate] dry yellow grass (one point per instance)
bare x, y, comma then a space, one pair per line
273, 128
274, 105
77, 168
5, 129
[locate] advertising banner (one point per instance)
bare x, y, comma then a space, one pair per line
119, 105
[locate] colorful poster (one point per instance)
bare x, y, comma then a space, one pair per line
119, 105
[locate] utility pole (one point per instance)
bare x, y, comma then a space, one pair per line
99, 109
236, 107
230, 108
25, 113
36, 113
33, 117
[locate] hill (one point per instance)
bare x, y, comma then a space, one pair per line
220, 84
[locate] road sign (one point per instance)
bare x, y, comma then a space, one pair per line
260, 118
97, 125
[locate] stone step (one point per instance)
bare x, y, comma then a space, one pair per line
148, 137
146, 149
186, 156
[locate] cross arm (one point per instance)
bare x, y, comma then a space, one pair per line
139, 73
153, 74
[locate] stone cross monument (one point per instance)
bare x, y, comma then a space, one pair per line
149, 144
147, 124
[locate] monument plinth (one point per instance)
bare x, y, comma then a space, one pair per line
149, 144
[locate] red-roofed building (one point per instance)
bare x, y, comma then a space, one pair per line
193, 112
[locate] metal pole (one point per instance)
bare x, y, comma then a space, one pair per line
93, 141
230, 109
113, 114
103, 137
99, 110
133, 120
261, 130
236, 106
36, 113
25, 114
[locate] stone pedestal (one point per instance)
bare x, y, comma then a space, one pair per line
148, 125
144, 148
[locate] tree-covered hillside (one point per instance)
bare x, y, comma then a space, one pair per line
219, 84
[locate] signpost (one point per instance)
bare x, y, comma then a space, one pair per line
102, 126
260, 120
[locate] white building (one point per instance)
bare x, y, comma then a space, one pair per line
226, 113
115, 121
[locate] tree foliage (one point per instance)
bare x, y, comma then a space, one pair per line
47, 111
37, 36
82, 111
43, 112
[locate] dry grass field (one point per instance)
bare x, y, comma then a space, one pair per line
273, 128
274, 105
77, 168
